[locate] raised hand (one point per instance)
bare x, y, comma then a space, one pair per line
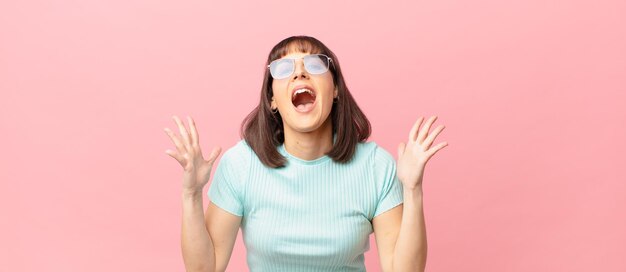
413, 156
197, 170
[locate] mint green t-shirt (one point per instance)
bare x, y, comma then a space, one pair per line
309, 215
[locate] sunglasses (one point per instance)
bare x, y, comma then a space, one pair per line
314, 64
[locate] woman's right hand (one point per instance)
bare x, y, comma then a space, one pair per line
197, 170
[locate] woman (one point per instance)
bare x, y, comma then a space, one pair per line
303, 184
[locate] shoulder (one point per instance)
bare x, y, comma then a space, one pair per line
238, 154
372, 151
380, 162
240, 148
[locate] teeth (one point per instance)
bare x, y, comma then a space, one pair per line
299, 91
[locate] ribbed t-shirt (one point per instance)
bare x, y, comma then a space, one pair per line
311, 215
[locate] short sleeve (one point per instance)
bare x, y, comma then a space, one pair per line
390, 190
225, 190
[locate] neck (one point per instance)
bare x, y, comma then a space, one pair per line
310, 145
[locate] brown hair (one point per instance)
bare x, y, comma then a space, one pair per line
263, 131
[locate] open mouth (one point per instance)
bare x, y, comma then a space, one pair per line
303, 99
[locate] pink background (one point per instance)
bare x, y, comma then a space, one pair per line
532, 94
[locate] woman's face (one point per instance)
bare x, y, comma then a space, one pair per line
304, 100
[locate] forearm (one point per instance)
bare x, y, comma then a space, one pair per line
411, 247
197, 247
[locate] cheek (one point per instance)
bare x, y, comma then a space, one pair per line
329, 80
277, 90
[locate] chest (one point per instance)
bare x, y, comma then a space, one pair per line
309, 213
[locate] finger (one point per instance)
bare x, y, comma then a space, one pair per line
431, 137
179, 146
413, 133
183, 133
216, 152
424, 131
401, 147
436, 148
194, 132
174, 155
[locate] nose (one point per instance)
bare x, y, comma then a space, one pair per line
300, 71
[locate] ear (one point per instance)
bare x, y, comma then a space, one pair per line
273, 104
336, 92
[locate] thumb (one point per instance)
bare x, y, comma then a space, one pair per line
401, 147
216, 152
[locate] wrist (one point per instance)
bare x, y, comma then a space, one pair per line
413, 193
190, 193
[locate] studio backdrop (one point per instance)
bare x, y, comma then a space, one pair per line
532, 94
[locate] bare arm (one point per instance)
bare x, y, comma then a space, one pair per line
207, 238
223, 227
401, 235
200, 252
411, 247
401, 232
197, 247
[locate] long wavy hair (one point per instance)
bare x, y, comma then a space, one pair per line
263, 130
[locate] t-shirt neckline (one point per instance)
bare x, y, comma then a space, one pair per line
292, 158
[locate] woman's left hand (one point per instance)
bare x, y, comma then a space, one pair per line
413, 156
